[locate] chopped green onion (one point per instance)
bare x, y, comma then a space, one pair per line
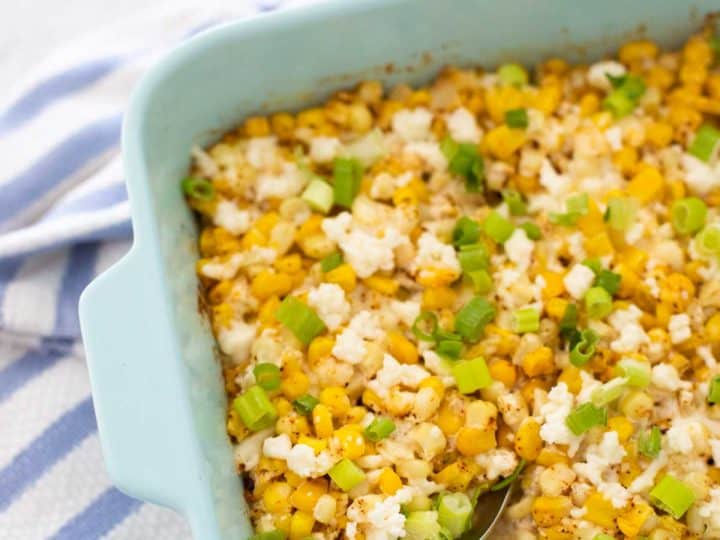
598, 303
471, 375
603, 536
442, 335
526, 320
346, 474
515, 202
714, 42
585, 417
449, 348
277, 534
688, 215
516, 118
305, 404
575, 206
568, 322
707, 241
649, 443
300, 319
454, 512
714, 390
532, 231
255, 409
512, 74
628, 89
473, 257
331, 262
620, 212
618, 104
631, 85
319, 196
584, 349
672, 496
705, 141
473, 317
608, 392
425, 320
379, 429
509, 479
636, 372
464, 160
423, 525
481, 280
347, 175
497, 227
466, 231
267, 376
593, 264
608, 280
198, 188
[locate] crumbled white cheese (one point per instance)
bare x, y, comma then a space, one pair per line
393, 373
365, 252
589, 384
429, 152
288, 183
383, 516
261, 151
554, 430
462, 126
435, 255
329, 302
519, 248
715, 449
635, 233
277, 447
302, 461
666, 377
230, 217
632, 335
236, 340
412, 125
681, 435
350, 345
710, 512
679, 328
614, 137
248, 451
652, 286
598, 73
324, 149
599, 458
385, 184
578, 280
576, 245
646, 479
497, 462
550, 179
406, 311
705, 353
701, 177
204, 162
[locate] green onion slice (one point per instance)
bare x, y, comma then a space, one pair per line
471, 375
425, 326
497, 227
318, 195
379, 428
331, 262
510, 479
516, 118
255, 409
481, 280
598, 303
636, 372
576, 207
585, 417
515, 202
300, 319
526, 320
707, 241
608, 392
672, 496
198, 188
465, 160
277, 534
305, 404
620, 213
714, 390
454, 512
583, 351
705, 141
347, 175
688, 215
512, 74
649, 442
346, 474
473, 257
593, 264
267, 376
466, 231
608, 280
532, 231
473, 317
449, 348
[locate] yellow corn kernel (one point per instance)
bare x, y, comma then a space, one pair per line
336, 399
283, 125
712, 329
548, 511
559, 532
538, 362
220, 291
549, 457
276, 497
282, 522
436, 277
350, 440
312, 118
282, 406
405, 196
626, 160
266, 223
293, 426
301, 525
382, 284
256, 126
598, 245
500, 99
235, 427
646, 185
676, 529
659, 134
343, 275
320, 348
553, 284
438, 298
599, 510
528, 389
634, 258
503, 371
389, 481
547, 98
589, 104
294, 384
571, 377
307, 494
402, 348
434, 383
449, 421
471, 441
502, 141
318, 445
457, 475
592, 222
555, 308
289, 264
322, 421
268, 283
311, 227
622, 426
293, 479
634, 51
222, 315
372, 400
356, 414
527, 440
631, 521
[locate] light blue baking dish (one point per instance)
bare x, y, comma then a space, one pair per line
156, 382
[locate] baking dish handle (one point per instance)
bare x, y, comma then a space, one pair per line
132, 370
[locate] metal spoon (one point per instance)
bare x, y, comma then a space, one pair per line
488, 510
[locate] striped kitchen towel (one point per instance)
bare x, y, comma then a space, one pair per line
64, 218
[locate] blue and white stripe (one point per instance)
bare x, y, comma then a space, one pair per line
64, 218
